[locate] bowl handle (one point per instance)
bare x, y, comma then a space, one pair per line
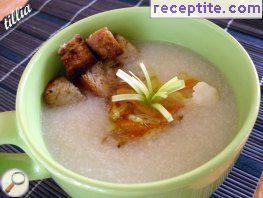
9, 135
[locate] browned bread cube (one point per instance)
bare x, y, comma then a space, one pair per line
61, 91
100, 80
104, 44
76, 56
130, 52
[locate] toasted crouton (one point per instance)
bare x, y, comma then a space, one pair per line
104, 44
61, 91
130, 52
76, 56
100, 80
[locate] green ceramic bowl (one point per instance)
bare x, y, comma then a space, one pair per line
23, 126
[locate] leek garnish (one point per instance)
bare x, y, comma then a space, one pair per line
145, 93
163, 111
121, 97
147, 76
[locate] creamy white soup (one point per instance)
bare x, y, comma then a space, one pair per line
73, 134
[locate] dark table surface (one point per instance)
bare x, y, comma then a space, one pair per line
18, 44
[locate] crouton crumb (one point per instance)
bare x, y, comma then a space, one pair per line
60, 92
104, 44
76, 56
100, 80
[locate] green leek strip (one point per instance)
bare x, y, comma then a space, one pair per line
122, 97
141, 85
136, 77
176, 86
160, 94
169, 84
163, 111
129, 80
147, 77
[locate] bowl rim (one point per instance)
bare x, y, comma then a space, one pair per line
61, 172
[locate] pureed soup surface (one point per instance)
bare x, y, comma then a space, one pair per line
73, 134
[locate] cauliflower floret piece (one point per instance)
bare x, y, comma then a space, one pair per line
204, 94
